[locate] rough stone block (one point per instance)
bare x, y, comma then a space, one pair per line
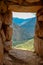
0, 21
3, 7
38, 46
20, 1
8, 45
40, 23
1, 52
7, 60
8, 18
2, 35
41, 62
39, 33
40, 11
39, 29
40, 18
9, 32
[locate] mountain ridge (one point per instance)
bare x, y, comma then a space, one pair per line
25, 31
18, 21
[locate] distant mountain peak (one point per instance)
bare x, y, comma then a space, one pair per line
19, 21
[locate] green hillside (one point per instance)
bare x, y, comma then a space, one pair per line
24, 45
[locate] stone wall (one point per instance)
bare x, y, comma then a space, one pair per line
5, 34
39, 33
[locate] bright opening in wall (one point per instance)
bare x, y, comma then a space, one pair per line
23, 30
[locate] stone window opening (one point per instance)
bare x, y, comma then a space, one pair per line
19, 42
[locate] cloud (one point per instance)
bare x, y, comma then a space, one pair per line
23, 15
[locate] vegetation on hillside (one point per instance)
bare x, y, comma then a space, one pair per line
24, 45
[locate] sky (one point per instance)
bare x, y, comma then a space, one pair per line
23, 15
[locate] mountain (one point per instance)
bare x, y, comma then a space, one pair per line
18, 33
29, 26
20, 21
23, 30
17, 21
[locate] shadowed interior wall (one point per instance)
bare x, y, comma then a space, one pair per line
39, 33
5, 34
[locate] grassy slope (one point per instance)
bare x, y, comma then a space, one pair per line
27, 45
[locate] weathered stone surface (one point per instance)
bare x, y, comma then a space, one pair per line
40, 12
41, 62
8, 18
3, 7
37, 45
40, 18
39, 24
0, 21
9, 32
32, 0
8, 45
2, 35
7, 60
39, 34
1, 52
24, 56
5, 34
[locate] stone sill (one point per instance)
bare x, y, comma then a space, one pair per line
26, 56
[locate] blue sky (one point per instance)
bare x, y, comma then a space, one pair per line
22, 16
